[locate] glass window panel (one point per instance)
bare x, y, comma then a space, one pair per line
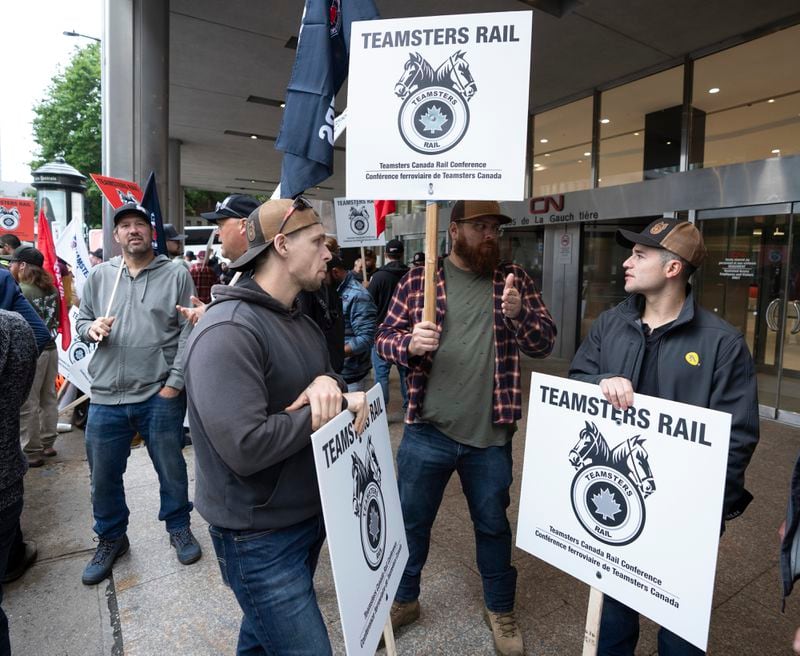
559, 164
754, 112
627, 152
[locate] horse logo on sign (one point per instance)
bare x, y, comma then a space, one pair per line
368, 506
609, 490
434, 116
359, 220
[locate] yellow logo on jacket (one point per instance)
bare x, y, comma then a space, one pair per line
692, 358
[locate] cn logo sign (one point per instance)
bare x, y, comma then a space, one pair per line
547, 204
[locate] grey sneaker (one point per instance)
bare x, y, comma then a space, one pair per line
185, 545
107, 552
505, 631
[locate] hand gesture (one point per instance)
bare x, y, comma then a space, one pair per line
424, 338
512, 301
618, 392
193, 314
325, 399
357, 404
101, 328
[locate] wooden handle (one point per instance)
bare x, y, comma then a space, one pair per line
594, 612
431, 252
388, 638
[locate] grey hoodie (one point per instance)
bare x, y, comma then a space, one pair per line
144, 351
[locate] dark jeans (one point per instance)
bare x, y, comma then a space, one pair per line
271, 572
619, 633
425, 461
9, 532
382, 369
109, 431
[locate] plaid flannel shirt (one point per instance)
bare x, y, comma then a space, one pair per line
535, 335
204, 278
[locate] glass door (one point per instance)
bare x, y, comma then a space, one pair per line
747, 279
789, 383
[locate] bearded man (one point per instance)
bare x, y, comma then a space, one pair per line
464, 399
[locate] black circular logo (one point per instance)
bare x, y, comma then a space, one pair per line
372, 521
433, 120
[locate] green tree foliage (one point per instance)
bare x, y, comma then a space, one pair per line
67, 122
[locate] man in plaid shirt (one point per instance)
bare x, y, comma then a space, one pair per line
204, 277
463, 403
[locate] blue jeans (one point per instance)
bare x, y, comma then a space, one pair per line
619, 633
109, 431
425, 460
9, 530
271, 572
382, 369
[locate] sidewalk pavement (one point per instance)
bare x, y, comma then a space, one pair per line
154, 605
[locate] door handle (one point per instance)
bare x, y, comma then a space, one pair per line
772, 322
796, 327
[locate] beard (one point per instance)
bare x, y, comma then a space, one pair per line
481, 259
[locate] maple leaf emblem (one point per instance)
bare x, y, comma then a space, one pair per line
433, 120
374, 524
605, 504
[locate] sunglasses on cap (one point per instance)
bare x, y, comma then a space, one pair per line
299, 203
223, 205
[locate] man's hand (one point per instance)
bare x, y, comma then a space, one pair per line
782, 531
424, 338
100, 328
512, 302
618, 392
325, 399
357, 404
168, 392
193, 314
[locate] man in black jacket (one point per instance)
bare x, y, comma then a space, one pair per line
381, 287
659, 342
255, 477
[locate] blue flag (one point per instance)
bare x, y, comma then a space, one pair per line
320, 68
153, 207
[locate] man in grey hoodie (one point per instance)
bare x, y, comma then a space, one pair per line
137, 385
255, 478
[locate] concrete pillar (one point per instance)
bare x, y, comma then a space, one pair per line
175, 208
135, 90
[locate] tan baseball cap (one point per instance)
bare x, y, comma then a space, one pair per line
273, 217
466, 210
679, 237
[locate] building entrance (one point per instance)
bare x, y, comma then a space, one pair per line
751, 278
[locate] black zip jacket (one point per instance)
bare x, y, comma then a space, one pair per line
724, 380
382, 285
247, 359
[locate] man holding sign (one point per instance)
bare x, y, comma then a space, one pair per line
256, 480
659, 342
464, 398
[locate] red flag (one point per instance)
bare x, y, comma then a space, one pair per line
48, 248
382, 208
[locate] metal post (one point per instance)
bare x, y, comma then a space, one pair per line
596, 109
175, 202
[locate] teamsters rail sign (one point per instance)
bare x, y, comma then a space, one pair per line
630, 502
438, 107
366, 537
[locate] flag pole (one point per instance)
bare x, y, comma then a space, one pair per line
114, 290
431, 248
591, 633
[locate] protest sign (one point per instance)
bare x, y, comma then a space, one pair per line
356, 224
16, 217
117, 191
73, 362
630, 502
438, 107
366, 537
71, 248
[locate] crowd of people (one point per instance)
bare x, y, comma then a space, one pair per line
293, 337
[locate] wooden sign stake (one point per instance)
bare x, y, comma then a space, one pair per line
594, 612
431, 252
388, 638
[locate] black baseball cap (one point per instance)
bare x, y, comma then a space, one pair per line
679, 237
131, 208
171, 234
27, 254
419, 258
235, 206
98, 253
394, 247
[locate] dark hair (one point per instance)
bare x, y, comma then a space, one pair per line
10, 240
687, 269
38, 277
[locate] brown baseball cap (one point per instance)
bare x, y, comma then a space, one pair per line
466, 210
273, 217
679, 237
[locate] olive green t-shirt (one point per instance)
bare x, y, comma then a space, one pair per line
458, 395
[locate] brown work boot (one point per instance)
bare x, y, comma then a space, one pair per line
404, 613
505, 631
